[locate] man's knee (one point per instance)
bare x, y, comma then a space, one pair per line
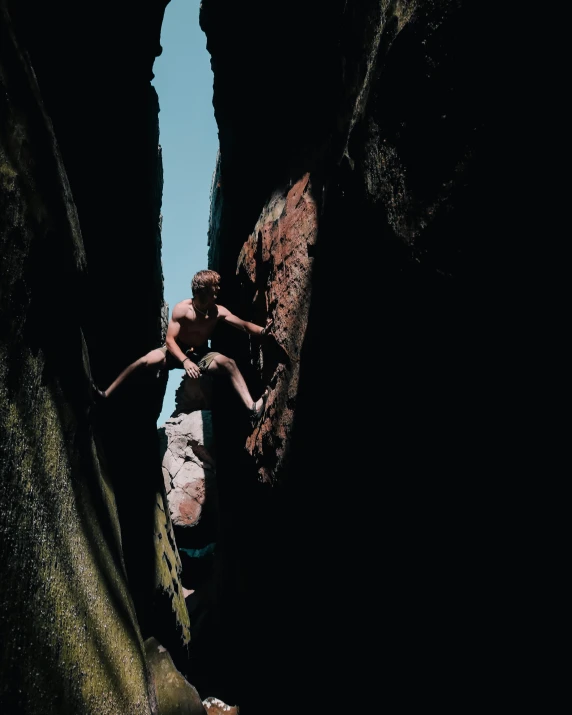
153, 358
225, 363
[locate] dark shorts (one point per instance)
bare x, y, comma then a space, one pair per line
202, 357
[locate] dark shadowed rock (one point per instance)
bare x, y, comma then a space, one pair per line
175, 695
359, 202
70, 633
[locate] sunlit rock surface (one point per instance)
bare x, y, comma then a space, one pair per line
281, 245
188, 464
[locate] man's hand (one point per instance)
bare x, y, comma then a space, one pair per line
191, 369
266, 329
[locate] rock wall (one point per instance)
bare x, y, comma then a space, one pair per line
358, 204
89, 563
105, 116
71, 642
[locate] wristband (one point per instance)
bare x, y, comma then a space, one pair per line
185, 360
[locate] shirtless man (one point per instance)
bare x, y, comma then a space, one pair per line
191, 325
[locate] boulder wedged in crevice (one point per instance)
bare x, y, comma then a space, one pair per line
188, 465
189, 472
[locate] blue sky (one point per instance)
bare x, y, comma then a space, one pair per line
189, 140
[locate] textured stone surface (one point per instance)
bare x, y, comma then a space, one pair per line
381, 283
193, 395
214, 706
188, 463
281, 247
71, 641
189, 471
341, 532
175, 695
168, 569
94, 71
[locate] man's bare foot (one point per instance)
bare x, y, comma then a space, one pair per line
259, 406
97, 395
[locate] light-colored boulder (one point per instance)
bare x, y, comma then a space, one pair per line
188, 447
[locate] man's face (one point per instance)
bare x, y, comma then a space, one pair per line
207, 296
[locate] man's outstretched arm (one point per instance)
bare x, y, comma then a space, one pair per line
245, 325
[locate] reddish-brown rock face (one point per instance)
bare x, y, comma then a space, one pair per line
280, 248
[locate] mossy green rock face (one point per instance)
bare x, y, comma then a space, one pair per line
175, 695
70, 639
168, 568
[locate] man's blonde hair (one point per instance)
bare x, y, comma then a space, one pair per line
204, 279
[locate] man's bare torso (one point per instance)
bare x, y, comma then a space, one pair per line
196, 329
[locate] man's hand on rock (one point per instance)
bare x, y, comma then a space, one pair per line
191, 369
266, 329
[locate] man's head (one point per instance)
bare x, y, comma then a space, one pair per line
205, 284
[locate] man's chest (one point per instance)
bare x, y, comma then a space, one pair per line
193, 326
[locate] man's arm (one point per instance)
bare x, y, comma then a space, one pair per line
174, 328
244, 325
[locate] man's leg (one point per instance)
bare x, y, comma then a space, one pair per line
152, 359
222, 365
